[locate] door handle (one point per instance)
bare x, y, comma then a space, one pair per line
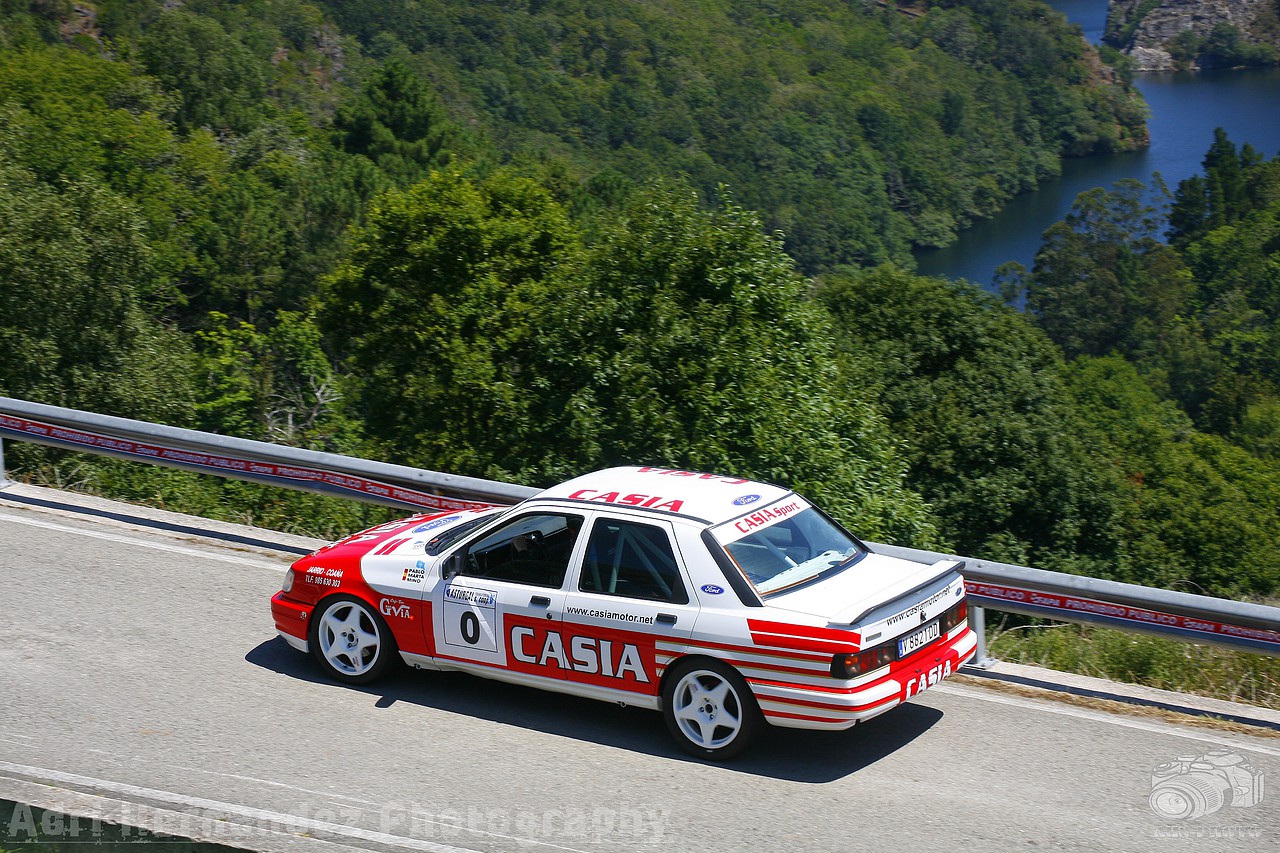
666, 618
540, 599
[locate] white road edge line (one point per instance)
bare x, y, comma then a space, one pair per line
359, 802
263, 819
1048, 704
142, 543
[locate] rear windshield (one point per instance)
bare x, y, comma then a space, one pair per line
793, 550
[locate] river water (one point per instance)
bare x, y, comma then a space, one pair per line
1185, 109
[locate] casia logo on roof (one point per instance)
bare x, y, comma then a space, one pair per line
646, 501
677, 473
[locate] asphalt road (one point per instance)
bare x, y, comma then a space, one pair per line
141, 679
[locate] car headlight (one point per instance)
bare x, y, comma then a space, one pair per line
288, 581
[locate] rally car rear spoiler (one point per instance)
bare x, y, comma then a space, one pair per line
940, 569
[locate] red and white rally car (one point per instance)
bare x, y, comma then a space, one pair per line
723, 602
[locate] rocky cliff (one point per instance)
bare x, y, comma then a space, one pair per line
1162, 35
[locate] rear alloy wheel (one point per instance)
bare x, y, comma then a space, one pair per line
351, 641
710, 710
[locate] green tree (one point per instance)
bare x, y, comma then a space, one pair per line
976, 392
218, 82
435, 310
1233, 184
74, 265
692, 343
273, 385
1197, 513
488, 342
397, 123
1102, 282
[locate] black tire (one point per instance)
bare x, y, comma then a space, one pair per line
709, 709
350, 640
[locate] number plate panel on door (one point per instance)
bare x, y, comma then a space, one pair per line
470, 618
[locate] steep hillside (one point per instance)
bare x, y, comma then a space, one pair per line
857, 129
1163, 35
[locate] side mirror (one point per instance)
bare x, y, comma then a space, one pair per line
452, 566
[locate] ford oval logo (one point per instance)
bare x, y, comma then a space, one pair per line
745, 499
432, 525
712, 589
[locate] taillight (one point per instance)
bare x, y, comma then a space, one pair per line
851, 666
854, 665
953, 617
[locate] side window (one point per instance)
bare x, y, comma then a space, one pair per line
631, 560
532, 549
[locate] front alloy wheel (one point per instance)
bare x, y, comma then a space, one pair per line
710, 710
351, 641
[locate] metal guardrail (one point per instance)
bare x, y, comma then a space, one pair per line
1016, 589
1129, 607
257, 461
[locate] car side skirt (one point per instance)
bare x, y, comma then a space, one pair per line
555, 685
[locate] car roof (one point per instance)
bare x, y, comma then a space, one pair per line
709, 498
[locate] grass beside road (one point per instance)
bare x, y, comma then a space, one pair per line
1184, 667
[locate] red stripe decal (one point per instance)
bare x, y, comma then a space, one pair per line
756, 650
810, 631
849, 646
389, 546
785, 715
790, 670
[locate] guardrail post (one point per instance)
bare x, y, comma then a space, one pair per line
978, 622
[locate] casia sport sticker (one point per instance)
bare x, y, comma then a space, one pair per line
712, 589
766, 516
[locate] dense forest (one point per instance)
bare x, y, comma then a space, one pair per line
523, 240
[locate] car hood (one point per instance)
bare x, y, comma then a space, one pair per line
404, 536
874, 587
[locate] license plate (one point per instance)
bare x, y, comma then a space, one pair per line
919, 639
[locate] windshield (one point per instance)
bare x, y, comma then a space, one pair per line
792, 551
453, 534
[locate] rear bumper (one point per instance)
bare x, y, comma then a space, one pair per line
291, 620
842, 707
